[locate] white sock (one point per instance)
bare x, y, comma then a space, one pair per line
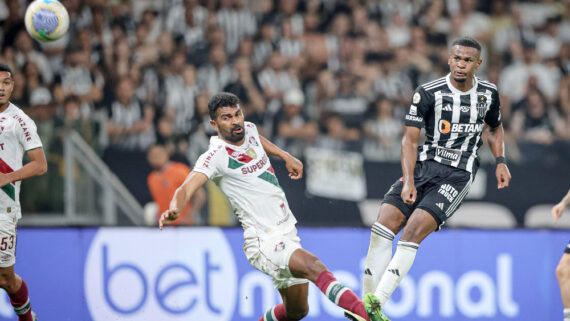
396, 270
567, 314
379, 255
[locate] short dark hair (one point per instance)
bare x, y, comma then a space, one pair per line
223, 99
467, 42
7, 68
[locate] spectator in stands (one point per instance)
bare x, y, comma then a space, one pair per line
25, 51
163, 181
217, 73
337, 136
292, 129
130, 124
76, 78
383, 132
534, 122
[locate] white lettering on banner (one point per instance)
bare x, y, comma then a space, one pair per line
493, 294
252, 283
160, 275
335, 174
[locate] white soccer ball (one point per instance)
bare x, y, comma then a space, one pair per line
46, 20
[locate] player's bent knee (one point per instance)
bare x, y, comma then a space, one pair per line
563, 272
8, 282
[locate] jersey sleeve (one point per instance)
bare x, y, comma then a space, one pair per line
418, 109
210, 163
28, 135
493, 116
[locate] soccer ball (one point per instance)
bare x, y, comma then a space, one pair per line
46, 20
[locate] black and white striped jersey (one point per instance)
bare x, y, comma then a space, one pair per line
453, 120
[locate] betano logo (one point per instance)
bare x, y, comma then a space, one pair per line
454, 297
154, 275
445, 127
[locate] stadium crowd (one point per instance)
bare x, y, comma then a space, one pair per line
324, 73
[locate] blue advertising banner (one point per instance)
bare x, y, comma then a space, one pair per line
202, 274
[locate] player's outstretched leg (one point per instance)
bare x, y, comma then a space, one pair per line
563, 275
18, 292
305, 265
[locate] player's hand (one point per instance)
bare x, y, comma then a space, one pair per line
168, 216
503, 176
294, 167
4, 180
409, 193
557, 211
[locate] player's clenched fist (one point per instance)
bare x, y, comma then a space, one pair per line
167, 217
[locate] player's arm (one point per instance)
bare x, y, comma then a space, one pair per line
36, 166
496, 141
409, 155
183, 194
293, 165
559, 208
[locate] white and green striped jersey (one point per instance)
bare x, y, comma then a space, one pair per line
245, 175
18, 134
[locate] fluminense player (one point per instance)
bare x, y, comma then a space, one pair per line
454, 110
563, 268
238, 161
18, 135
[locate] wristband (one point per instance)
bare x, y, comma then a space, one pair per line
501, 160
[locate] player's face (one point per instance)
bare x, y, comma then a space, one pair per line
6, 87
463, 62
229, 124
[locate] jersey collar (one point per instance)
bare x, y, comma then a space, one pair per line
459, 92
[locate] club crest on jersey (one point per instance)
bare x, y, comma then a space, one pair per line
251, 153
252, 141
481, 105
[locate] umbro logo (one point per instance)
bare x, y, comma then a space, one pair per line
440, 205
447, 107
395, 271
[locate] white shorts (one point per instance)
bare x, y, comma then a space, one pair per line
271, 256
7, 243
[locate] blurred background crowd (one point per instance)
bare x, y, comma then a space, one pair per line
320, 73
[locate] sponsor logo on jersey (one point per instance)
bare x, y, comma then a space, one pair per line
448, 191
440, 205
447, 107
465, 109
445, 127
413, 110
447, 153
255, 167
414, 118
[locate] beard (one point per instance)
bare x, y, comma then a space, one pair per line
460, 80
235, 137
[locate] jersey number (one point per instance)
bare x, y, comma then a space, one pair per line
7, 243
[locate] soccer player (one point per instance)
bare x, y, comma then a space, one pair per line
436, 175
238, 162
18, 135
563, 268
